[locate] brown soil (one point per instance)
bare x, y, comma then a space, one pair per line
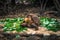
30, 34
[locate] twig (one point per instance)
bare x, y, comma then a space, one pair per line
45, 5
56, 4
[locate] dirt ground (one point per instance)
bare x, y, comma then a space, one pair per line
47, 35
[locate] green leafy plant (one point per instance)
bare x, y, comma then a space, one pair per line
50, 23
14, 24
11, 24
17, 36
